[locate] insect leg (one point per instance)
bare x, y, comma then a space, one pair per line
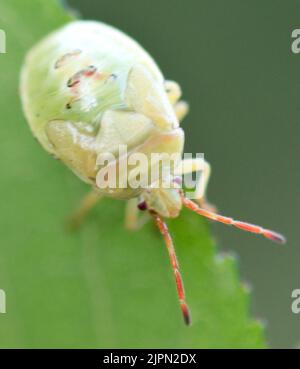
194, 165
181, 109
173, 91
202, 186
179, 283
80, 213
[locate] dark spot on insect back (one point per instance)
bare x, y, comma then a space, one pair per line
89, 71
111, 78
76, 78
66, 57
68, 106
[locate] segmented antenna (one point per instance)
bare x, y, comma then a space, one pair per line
273, 236
179, 283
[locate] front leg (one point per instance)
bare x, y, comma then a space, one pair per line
181, 107
80, 213
195, 165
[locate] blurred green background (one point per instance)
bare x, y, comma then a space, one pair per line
234, 62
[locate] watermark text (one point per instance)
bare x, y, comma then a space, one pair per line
296, 301
2, 302
2, 42
295, 46
138, 170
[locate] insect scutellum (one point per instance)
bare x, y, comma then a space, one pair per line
88, 88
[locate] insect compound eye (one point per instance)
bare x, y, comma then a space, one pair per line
142, 205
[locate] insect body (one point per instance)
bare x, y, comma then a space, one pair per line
88, 88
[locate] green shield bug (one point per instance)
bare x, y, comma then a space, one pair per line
88, 88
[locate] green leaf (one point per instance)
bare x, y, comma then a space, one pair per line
102, 286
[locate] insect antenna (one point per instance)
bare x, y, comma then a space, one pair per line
276, 237
179, 282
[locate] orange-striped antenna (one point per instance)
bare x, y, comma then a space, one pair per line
179, 282
273, 236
